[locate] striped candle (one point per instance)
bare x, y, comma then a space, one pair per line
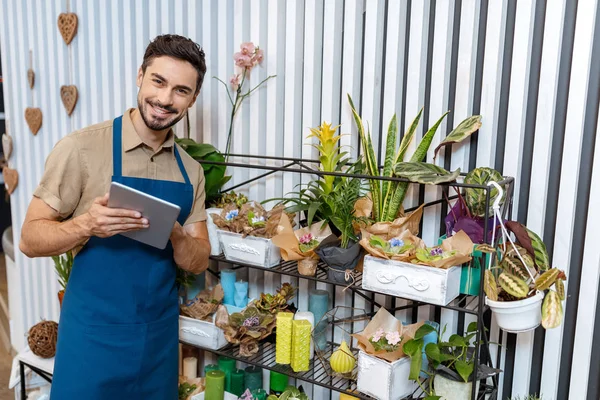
301, 345
283, 343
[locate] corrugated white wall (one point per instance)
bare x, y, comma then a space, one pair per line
528, 67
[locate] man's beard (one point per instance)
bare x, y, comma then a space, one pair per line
157, 125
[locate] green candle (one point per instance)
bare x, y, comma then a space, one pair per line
227, 365
237, 382
215, 385
259, 394
278, 382
210, 367
253, 378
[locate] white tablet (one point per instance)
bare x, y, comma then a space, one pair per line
161, 214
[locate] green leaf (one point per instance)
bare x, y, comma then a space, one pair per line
472, 327
421, 152
390, 150
414, 349
461, 132
485, 248
531, 242
464, 369
424, 330
457, 341
408, 136
433, 352
475, 197
425, 173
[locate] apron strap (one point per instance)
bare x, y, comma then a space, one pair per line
117, 144
117, 153
186, 178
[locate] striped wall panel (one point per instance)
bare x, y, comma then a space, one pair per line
530, 67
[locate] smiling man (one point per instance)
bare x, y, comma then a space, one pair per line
118, 331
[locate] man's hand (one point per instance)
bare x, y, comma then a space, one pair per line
103, 222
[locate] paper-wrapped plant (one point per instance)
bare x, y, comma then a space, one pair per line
402, 247
189, 387
452, 252
251, 219
300, 245
204, 305
246, 328
384, 336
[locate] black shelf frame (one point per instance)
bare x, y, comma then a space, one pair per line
303, 166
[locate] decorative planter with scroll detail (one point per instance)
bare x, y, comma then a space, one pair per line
201, 333
411, 281
249, 250
384, 380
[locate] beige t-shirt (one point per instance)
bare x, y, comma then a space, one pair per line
79, 168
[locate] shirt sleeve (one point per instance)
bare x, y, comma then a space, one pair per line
62, 183
198, 213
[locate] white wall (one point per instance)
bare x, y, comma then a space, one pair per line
528, 67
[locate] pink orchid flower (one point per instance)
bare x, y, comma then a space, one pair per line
247, 48
242, 60
258, 56
305, 239
235, 81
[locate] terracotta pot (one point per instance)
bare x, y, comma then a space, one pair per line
61, 294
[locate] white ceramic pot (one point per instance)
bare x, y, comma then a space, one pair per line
453, 390
213, 237
518, 316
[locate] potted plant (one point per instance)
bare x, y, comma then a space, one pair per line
63, 265
342, 253
520, 277
387, 196
450, 364
312, 199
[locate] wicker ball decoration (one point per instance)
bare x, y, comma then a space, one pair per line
42, 339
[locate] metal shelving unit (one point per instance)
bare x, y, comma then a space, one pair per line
317, 375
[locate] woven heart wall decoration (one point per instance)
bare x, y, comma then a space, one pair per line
33, 116
69, 96
67, 25
11, 179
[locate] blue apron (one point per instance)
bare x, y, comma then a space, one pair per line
118, 330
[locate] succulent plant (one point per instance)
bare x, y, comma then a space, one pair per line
231, 197
273, 303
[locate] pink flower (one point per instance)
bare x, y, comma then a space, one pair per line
258, 56
247, 48
378, 334
305, 239
242, 60
393, 338
235, 81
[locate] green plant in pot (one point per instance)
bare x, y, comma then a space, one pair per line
63, 265
387, 196
450, 364
342, 253
519, 279
312, 199
214, 175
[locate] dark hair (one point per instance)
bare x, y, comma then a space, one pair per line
178, 47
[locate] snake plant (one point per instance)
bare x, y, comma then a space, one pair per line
387, 196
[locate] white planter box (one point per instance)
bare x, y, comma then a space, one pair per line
383, 380
228, 396
249, 250
213, 236
411, 281
201, 333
